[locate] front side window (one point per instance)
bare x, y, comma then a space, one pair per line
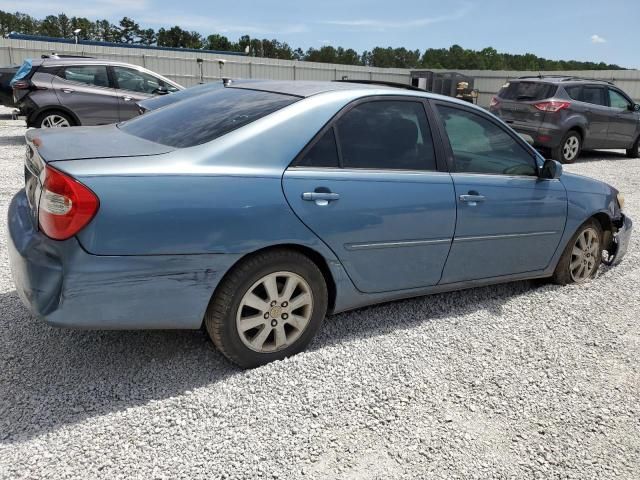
481, 146
141, 82
203, 118
616, 100
386, 135
95, 75
593, 94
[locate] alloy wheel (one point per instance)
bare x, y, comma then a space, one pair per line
274, 312
571, 148
54, 121
584, 256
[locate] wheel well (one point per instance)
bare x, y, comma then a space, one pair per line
311, 254
607, 227
54, 108
578, 129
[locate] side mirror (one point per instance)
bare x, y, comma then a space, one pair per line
634, 107
551, 169
161, 90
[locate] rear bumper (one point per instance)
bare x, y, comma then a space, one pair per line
543, 137
620, 242
67, 287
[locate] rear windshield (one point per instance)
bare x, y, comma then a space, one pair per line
203, 118
526, 91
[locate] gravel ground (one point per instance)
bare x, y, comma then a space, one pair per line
524, 380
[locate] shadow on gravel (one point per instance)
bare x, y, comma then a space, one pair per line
53, 377
11, 140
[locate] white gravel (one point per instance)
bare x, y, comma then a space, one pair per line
525, 380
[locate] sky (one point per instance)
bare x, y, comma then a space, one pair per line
587, 30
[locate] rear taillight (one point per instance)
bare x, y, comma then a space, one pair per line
552, 107
494, 102
22, 85
66, 205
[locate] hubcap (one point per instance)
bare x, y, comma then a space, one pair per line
274, 312
570, 148
584, 255
54, 121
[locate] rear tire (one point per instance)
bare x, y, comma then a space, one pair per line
54, 119
582, 256
569, 149
634, 152
268, 307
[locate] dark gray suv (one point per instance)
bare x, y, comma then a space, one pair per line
565, 115
64, 92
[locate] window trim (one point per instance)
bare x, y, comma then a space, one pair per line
441, 164
64, 68
517, 138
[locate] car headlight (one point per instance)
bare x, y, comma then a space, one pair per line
620, 200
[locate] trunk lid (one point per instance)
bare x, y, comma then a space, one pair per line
517, 101
82, 143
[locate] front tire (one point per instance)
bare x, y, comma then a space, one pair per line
569, 149
268, 307
582, 256
634, 151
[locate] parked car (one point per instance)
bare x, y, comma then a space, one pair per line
64, 92
257, 208
6, 92
566, 115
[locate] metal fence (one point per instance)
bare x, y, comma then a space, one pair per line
183, 67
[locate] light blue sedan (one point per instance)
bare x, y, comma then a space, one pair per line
258, 208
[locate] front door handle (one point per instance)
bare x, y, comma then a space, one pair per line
68, 90
321, 198
472, 199
127, 98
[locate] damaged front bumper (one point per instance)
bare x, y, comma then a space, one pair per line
619, 242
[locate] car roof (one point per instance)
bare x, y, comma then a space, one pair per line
303, 88
560, 79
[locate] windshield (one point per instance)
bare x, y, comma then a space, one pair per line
203, 118
158, 101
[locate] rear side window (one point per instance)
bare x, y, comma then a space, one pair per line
200, 119
95, 75
323, 154
386, 135
574, 92
593, 94
527, 91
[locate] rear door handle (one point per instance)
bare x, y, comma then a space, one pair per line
127, 98
68, 90
321, 198
472, 199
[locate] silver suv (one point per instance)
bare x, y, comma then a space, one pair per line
63, 92
565, 115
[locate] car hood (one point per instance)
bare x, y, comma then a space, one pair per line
78, 143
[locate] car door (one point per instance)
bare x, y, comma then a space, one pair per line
133, 86
368, 186
598, 114
624, 121
87, 92
509, 221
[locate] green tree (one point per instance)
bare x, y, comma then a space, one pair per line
129, 30
218, 42
178, 38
